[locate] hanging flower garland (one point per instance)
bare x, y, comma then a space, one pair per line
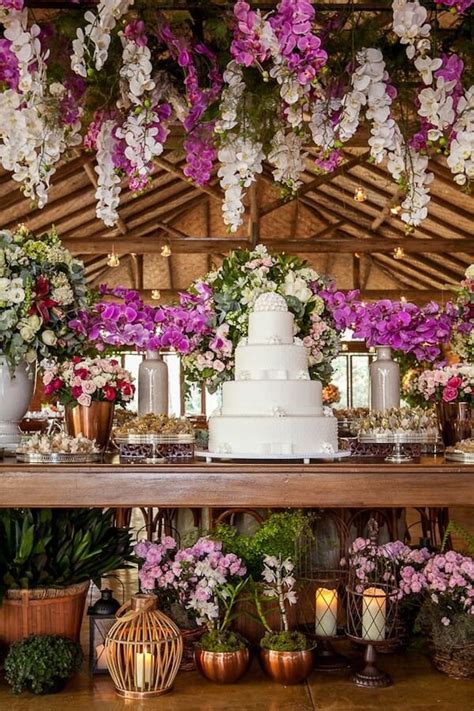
286, 87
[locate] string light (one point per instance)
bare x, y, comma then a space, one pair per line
403, 299
398, 253
113, 259
395, 210
166, 250
155, 294
360, 195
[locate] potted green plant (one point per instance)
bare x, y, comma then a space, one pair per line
286, 656
281, 535
47, 559
222, 655
42, 664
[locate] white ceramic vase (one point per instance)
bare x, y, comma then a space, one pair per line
384, 381
153, 385
15, 396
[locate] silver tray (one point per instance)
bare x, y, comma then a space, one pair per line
458, 456
154, 439
398, 438
59, 458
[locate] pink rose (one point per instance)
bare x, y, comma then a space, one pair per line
454, 382
450, 394
219, 366
84, 400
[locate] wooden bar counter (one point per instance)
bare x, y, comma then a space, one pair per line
427, 481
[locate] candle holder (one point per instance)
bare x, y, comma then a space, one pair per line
372, 602
144, 649
101, 618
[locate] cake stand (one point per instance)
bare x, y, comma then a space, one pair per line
305, 458
398, 439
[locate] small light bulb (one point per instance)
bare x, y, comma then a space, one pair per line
344, 347
166, 250
395, 210
403, 299
155, 294
113, 260
360, 195
398, 253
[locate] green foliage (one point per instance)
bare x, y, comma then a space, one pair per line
458, 633
59, 547
222, 641
278, 536
41, 663
290, 641
467, 537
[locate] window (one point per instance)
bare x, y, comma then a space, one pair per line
351, 375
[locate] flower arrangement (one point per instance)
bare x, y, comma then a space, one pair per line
451, 383
245, 85
331, 394
41, 288
401, 325
230, 293
200, 579
463, 337
120, 318
80, 381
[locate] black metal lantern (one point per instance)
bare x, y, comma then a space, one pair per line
101, 618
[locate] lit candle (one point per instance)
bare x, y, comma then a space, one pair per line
326, 612
101, 657
143, 667
374, 603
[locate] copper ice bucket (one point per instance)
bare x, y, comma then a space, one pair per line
93, 422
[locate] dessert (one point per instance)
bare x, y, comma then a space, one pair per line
272, 406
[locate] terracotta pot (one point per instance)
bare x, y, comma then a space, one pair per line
222, 667
287, 668
455, 423
42, 611
94, 422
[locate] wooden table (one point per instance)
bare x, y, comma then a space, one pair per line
356, 483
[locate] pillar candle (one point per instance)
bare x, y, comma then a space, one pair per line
143, 668
326, 612
374, 604
101, 657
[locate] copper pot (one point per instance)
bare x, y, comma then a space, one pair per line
94, 422
222, 667
287, 667
455, 423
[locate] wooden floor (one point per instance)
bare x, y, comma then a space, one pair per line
417, 687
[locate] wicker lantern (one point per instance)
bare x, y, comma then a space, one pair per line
372, 614
144, 649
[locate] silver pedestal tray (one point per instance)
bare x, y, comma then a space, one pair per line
305, 458
398, 439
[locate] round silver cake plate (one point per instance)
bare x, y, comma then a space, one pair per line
305, 458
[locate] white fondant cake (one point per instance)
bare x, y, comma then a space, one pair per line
272, 407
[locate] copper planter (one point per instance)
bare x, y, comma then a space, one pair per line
287, 668
94, 422
222, 667
455, 422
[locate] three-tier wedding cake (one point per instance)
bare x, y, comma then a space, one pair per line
272, 406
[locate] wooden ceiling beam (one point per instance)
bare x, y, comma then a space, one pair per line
190, 245
213, 192
420, 276
316, 182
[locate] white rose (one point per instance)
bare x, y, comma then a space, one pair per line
16, 296
34, 322
99, 381
30, 356
27, 333
470, 272
297, 287
49, 338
